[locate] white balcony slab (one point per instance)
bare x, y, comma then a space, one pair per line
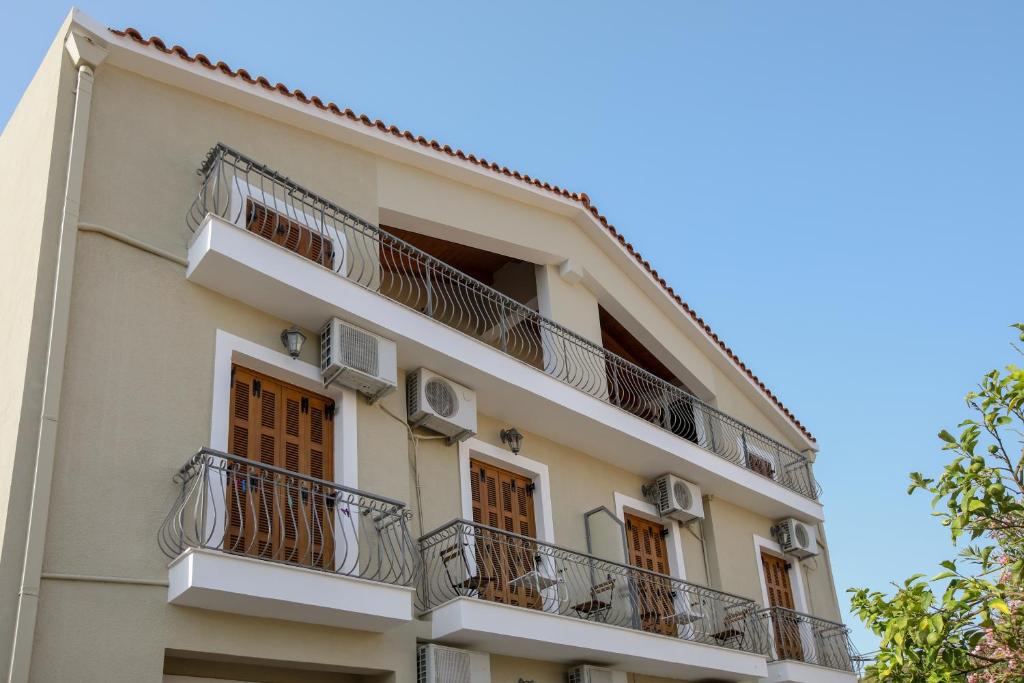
266, 276
799, 672
214, 580
520, 632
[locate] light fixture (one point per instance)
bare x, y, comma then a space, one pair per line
293, 340
513, 438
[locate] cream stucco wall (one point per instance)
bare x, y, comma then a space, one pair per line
139, 373
33, 152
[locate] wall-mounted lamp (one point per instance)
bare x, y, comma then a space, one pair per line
293, 339
513, 439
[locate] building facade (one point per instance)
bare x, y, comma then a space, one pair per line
505, 450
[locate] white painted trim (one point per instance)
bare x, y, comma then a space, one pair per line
523, 632
796, 577
520, 464
641, 508
255, 271
230, 349
796, 581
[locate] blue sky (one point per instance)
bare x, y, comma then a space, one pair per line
835, 187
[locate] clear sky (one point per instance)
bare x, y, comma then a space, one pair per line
835, 187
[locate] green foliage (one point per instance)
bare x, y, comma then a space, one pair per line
967, 620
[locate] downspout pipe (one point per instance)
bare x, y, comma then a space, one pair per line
86, 54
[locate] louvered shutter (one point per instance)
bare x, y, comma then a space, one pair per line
647, 550
502, 500
290, 234
273, 515
785, 625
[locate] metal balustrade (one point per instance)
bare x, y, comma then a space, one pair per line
240, 506
465, 559
800, 637
254, 197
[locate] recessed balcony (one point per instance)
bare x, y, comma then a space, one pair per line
268, 242
258, 540
513, 595
807, 649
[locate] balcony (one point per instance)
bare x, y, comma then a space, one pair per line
806, 649
513, 595
254, 539
239, 194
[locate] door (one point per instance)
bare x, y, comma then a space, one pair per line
654, 596
270, 514
780, 594
504, 500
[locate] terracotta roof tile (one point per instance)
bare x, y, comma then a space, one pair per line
581, 197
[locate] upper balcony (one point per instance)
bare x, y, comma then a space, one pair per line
513, 595
237, 192
255, 539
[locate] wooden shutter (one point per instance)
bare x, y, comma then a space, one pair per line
785, 625
504, 500
273, 515
290, 234
647, 550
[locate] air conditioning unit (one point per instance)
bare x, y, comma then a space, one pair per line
796, 538
676, 498
585, 673
354, 358
441, 405
439, 664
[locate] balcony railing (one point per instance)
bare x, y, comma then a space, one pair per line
465, 559
803, 638
240, 506
254, 197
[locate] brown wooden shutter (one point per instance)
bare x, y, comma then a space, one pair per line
785, 625
273, 515
502, 499
647, 550
290, 234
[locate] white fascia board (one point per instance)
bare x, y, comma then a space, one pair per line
214, 580
799, 672
521, 632
125, 53
255, 271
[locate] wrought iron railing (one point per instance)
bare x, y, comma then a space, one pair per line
240, 506
259, 199
465, 559
800, 637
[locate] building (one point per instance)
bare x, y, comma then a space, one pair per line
476, 491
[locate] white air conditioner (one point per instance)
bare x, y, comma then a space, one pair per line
796, 538
585, 673
357, 359
676, 498
439, 664
441, 405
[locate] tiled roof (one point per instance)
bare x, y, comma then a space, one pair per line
581, 197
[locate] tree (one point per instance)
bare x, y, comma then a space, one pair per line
967, 621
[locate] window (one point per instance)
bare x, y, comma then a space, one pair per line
290, 234
654, 595
270, 514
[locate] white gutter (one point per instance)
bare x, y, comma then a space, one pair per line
86, 54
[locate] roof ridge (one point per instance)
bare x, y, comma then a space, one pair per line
581, 197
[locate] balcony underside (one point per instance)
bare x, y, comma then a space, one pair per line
799, 672
214, 580
520, 632
268, 277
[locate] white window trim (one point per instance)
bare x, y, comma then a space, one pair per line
230, 349
520, 464
796, 581
796, 575
642, 508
